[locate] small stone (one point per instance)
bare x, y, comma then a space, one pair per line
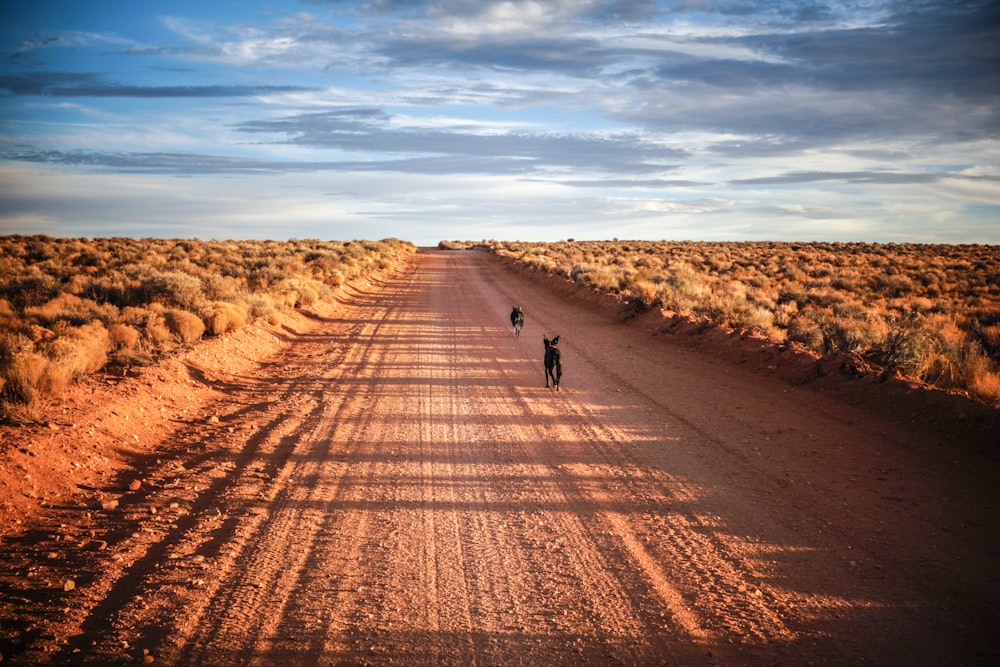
69, 585
135, 485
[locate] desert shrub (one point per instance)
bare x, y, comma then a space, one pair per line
26, 383
136, 316
298, 292
538, 260
31, 289
21, 367
32, 376
644, 294
324, 265
989, 337
265, 276
335, 278
9, 319
684, 288
807, 331
185, 326
893, 285
784, 313
307, 295
824, 297
260, 306
112, 288
855, 330
157, 333
731, 308
985, 386
215, 287
173, 288
123, 337
945, 352
80, 350
792, 294
937, 350
223, 317
908, 346
744, 314
77, 284
72, 309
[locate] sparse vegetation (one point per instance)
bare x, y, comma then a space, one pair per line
456, 245
931, 312
68, 307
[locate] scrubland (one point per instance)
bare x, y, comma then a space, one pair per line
928, 312
70, 307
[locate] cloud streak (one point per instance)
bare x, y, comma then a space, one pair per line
63, 84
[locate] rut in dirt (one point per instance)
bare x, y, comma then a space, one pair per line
398, 487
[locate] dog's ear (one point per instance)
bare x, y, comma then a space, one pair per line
555, 341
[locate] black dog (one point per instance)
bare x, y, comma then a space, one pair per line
553, 362
517, 320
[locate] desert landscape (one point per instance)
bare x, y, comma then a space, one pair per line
929, 312
266, 398
355, 462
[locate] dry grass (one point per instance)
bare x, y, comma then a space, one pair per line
931, 312
69, 306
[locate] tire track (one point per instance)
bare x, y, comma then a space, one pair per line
560, 541
707, 592
267, 490
728, 598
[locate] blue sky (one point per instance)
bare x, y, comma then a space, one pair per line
474, 119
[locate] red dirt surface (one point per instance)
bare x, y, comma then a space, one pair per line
387, 481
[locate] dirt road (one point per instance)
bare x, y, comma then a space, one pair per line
394, 485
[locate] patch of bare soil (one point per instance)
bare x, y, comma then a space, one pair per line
388, 481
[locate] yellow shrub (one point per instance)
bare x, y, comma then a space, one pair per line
123, 337
80, 350
223, 317
986, 387
260, 306
23, 372
644, 293
71, 308
157, 332
185, 326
